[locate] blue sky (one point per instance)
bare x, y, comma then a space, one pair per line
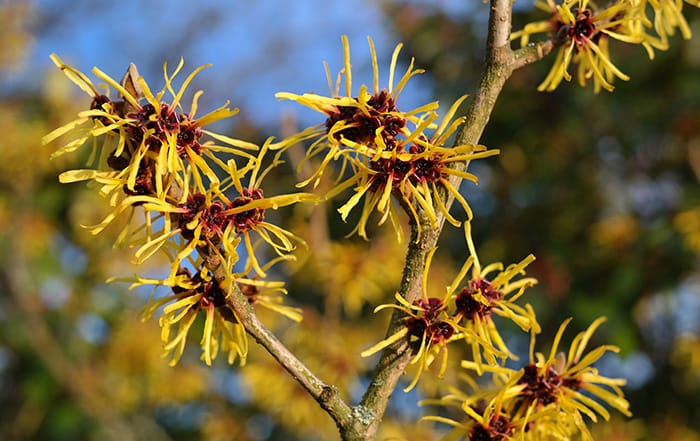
256, 48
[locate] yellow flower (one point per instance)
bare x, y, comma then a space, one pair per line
429, 327
368, 119
550, 396
550, 26
413, 170
386, 151
668, 16
463, 313
486, 418
192, 296
215, 218
175, 229
245, 213
143, 144
200, 294
211, 217
486, 294
571, 384
583, 31
152, 154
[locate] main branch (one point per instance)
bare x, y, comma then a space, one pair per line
327, 396
499, 64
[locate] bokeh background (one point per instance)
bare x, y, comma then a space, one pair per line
603, 189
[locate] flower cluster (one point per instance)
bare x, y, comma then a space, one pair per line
142, 144
387, 151
545, 399
464, 313
583, 30
151, 156
191, 295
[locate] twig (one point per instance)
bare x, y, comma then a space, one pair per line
327, 396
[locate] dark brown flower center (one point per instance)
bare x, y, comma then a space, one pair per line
542, 387
470, 308
362, 127
584, 29
248, 219
499, 428
428, 324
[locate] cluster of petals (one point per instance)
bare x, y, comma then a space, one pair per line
583, 30
392, 160
159, 166
547, 398
464, 313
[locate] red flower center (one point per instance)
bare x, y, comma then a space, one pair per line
248, 219
469, 307
584, 29
362, 127
430, 325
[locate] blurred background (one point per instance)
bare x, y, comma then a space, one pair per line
603, 189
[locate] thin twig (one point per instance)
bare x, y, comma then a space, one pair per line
327, 396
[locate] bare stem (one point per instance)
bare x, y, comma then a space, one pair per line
497, 69
327, 396
532, 53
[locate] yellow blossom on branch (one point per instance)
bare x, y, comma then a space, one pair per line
583, 30
486, 294
369, 119
463, 313
143, 143
148, 153
386, 151
198, 295
150, 156
428, 328
415, 170
550, 395
486, 417
223, 220
246, 212
194, 295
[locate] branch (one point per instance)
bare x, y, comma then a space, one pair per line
500, 63
534, 52
327, 396
499, 24
394, 359
498, 68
